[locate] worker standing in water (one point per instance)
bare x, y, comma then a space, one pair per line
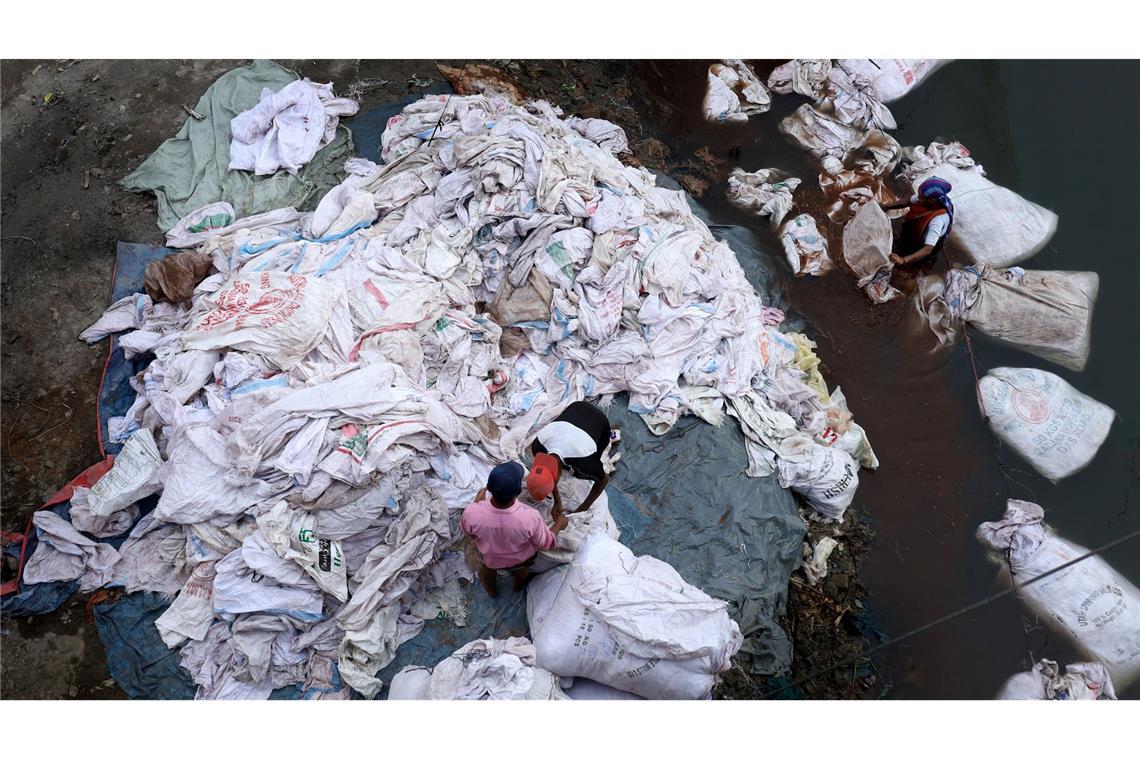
927, 224
575, 440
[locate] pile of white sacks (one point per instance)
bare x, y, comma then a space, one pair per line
339, 385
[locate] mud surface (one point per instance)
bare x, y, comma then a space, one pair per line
72, 129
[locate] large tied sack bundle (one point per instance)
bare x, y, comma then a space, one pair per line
482, 669
1088, 601
867, 248
1082, 680
891, 78
1047, 313
1055, 427
631, 623
992, 224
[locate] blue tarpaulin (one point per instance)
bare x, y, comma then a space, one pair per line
115, 392
139, 662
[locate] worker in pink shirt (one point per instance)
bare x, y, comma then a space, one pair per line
509, 535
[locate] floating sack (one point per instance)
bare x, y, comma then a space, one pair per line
992, 224
1055, 427
1082, 680
1088, 601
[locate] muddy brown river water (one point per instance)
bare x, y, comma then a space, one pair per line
1063, 134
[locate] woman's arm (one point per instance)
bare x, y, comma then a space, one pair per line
595, 492
918, 255
904, 203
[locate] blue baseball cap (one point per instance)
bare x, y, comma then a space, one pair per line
505, 481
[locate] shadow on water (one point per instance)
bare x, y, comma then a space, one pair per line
1063, 134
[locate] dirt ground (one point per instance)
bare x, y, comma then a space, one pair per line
70, 131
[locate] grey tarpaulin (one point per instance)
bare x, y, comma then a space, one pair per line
684, 498
191, 169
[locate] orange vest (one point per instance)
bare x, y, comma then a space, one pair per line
914, 226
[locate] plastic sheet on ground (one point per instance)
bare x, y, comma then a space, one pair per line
139, 662
191, 169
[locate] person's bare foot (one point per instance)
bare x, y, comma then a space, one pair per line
522, 577
487, 577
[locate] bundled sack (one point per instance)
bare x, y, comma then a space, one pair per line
1089, 601
992, 225
1082, 680
482, 669
585, 690
767, 192
849, 96
827, 478
1047, 313
805, 248
631, 623
840, 146
867, 242
1051, 424
734, 93
891, 78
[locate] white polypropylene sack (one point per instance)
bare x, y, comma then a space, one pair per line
277, 315
826, 477
867, 248
583, 689
133, 476
292, 534
1055, 427
805, 248
64, 554
287, 128
629, 622
1088, 601
892, 77
1082, 680
767, 192
992, 224
484, 669
734, 92
1048, 313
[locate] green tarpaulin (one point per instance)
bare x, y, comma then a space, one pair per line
191, 170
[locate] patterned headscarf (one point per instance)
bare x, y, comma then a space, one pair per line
937, 190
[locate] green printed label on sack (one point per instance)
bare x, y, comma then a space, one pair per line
557, 253
357, 444
305, 536
211, 222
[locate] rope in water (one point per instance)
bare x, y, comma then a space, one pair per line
948, 617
